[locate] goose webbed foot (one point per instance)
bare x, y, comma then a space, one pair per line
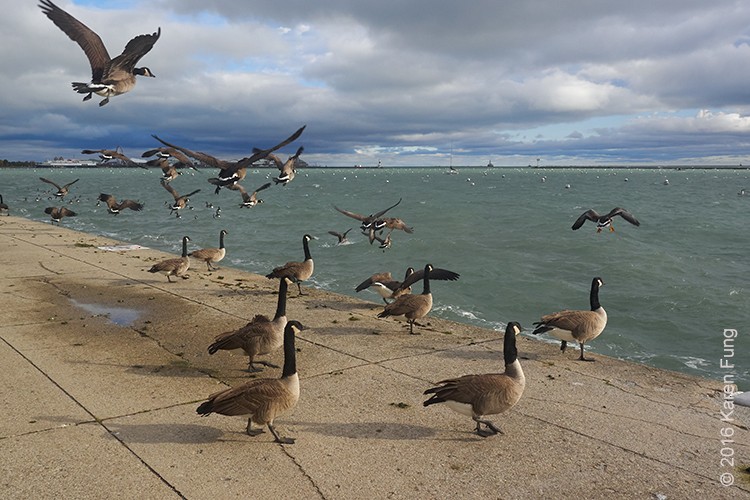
105, 101
582, 358
253, 432
268, 363
278, 438
490, 430
87, 97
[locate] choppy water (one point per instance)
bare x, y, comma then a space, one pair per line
672, 285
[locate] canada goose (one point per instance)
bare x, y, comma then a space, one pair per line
176, 266
392, 223
166, 153
385, 243
249, 200
169, 171
106, 155
414, 307
286, 169
340, 236
57, 213
488, 394
366, 220
385, 285
61, 190
603, 221
109, 77
296, 272
211, 255
4, 210
263, 399
115, 208
576, 326
260, 336
179, 201
228, 169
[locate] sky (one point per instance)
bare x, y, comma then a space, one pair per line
423, 82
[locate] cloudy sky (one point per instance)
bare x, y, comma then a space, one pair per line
403, 82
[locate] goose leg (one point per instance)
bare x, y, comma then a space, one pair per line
563, 345
87, 97
105, 101
253, 432
169, 278
299, 287
277, 437
491, 429
411, 328
581, 358
267, 363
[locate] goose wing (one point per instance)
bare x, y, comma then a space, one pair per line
50, 182
435, 274
131, 204
171, 190
360, 218
69, 184
202, 157
375, 278
84, 36
259, 154
624, 214
66, 212
189, 194
108, 199
134, 50
244, 399
380, 214
590, 214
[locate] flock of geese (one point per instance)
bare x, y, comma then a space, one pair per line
265, 399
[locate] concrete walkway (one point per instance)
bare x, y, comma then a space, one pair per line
104, 364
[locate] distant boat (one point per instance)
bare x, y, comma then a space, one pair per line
65, 163
490, 165
451, 171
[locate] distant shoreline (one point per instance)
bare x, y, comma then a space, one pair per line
434, 167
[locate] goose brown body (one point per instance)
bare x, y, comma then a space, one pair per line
296, 272
63, 190
174, 267
115, 208
211, 255
57, 213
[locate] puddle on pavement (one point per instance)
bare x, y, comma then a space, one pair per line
121, 316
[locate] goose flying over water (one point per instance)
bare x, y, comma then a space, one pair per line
63, 190
115, 208
340, 236
366, 220
180, 201
166, 153
249, 200
107, 155
109, 77
286, 169
57, 213
603, 221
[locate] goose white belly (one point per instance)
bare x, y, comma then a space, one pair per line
561, 334
462, 408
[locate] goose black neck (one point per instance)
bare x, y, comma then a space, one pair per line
306, 248
184, 247
510, 352
221, 239
594, 296
281, 303
290, 354
426, 281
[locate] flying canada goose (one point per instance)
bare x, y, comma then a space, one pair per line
263, 399
385, 285
169, 171
57, 213
115, 208
576, 326
166, 153
179, 201
107, 155
286, 169
109, 77
488, 394
414, 307
603, 221
249, 200
211, 255
392, 223
4, 210
296, 272
260, 336
340, 236
228, 169
385, 243
61, 190
174, 267
366, 220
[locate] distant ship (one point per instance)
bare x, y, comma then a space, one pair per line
490, 165
66, 163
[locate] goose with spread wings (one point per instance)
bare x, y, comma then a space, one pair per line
63, 190
108, 155
180, 201
366, 220
605, 220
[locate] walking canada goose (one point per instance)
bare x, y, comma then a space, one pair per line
166, 153
107, 155
57, 213
385, 285
366, 220
211, 255
259, 337
249, 200
414, 307
576, 326
603, 221
4, 210
296, 272
115, 208
263, 399
174, 267
61, 190
109, 77
179, 201
340, 236
286, 169
228, 169
488, 394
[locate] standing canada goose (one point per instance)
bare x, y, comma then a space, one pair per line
4, 210
340, 236
249, 200
179, 201
57, 213
385, 285
488, 394
166, 153
286, 169
576, 326
366, 220
174, 267
115, 208
296, 272
61, 190
260, 336
414, 307
263, 399
603, 221
109, 77
211, 255
228, 169
107, 155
